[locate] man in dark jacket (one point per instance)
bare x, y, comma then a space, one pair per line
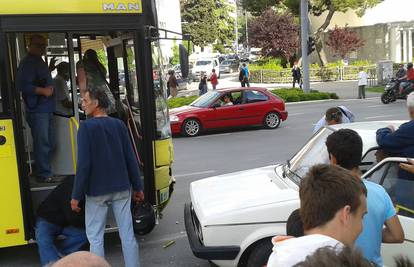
400, 143
55, 217
106, 174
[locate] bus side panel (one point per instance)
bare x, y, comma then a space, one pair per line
11, 218
164, 156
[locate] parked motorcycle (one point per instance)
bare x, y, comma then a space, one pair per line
392, 91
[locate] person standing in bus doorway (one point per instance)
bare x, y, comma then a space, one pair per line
107, 169
63, 102
91, 74
214, 79
36, 84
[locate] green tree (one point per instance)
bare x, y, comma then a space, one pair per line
199, 20
225, 23
256, 7
175, 59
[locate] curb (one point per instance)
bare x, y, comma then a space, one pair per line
329, 100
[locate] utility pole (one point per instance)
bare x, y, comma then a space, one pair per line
237, 30
304, 22
247, 32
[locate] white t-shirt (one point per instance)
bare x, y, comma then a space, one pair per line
362, 78
62, 93
289, 252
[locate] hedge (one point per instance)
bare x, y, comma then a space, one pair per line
288, 95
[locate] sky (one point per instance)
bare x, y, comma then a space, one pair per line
390, 11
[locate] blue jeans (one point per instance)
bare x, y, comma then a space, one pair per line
96, 209
41, 125
46, 234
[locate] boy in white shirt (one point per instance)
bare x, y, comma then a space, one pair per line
362, 82
333, 204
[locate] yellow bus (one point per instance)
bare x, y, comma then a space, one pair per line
124, 35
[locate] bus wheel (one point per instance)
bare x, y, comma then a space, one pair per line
191, 127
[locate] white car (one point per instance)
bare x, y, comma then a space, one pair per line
205, 65
232, 217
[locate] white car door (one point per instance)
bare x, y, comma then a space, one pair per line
388, 174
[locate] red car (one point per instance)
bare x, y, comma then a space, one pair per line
226, 108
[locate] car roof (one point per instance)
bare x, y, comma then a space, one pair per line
230, 89
367, 130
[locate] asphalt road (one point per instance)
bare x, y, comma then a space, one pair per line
218, 153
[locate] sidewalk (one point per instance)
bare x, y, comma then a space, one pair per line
344, 89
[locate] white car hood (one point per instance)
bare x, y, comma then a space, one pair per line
233, 195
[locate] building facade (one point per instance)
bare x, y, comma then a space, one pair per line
387, 29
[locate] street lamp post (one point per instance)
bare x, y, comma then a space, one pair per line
304, 41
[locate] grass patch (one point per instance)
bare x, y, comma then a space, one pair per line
181, 101
375, 89
287, 94
296, 95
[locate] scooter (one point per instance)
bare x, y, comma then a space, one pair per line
392, 91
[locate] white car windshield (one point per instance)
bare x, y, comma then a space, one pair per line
313, 152
205, 100
203, 63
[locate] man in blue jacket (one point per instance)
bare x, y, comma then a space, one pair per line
36, 84
400, 143
107, 169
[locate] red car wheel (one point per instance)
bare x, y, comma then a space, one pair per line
191, 127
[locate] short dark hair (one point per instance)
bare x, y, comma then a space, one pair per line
346, 146
333, 114
101, 97
294, 225
331, 256
401, 261
325, 190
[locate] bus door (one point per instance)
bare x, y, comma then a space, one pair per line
12, 225
65, 118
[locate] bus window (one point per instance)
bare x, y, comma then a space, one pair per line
163, 130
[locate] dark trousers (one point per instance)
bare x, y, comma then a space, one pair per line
41, 126
361, 91
298, 81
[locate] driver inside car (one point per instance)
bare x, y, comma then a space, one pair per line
226, 101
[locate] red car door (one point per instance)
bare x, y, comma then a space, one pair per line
221, 115
255, 104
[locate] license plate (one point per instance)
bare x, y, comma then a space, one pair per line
164, 195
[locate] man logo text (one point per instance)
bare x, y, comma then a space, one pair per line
121, 7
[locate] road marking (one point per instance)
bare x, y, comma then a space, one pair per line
374, 106
211, 135
376, 117
194, 173
295, 114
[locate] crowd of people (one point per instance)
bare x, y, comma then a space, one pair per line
107, 173
341, 218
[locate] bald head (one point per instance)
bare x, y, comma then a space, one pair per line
81, 259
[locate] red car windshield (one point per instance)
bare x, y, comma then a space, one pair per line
205, 100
